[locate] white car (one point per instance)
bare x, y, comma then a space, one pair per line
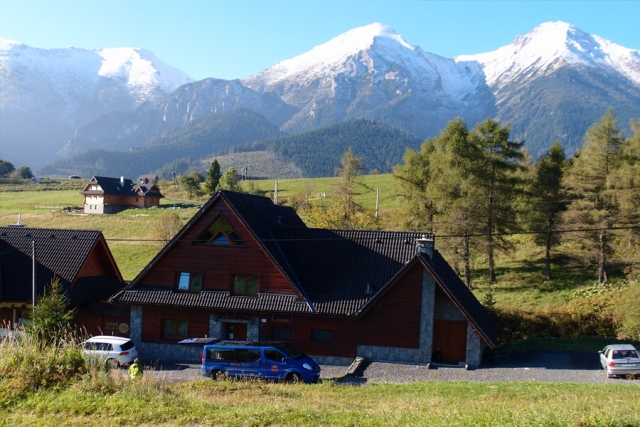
620, 359
116, 351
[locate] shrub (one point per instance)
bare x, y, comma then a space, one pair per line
27, 364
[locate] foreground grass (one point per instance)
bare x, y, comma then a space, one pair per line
205, 402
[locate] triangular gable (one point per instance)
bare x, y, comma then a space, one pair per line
242, 206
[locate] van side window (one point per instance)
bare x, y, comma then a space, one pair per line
228, 355
273, 355
245, 355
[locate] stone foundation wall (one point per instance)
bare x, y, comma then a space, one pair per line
475, 347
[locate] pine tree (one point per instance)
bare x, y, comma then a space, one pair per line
594, 209
51, 315
213, 178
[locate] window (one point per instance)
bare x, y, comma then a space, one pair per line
322, 335
189, 281
219, 233
273, 355
281, 318
175, 329
282, 333
245, 285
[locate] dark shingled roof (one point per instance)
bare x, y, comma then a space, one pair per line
330, 269
59, 253
111, 186
145, 295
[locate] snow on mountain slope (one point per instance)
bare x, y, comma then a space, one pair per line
550, 46
55, 74
376, 49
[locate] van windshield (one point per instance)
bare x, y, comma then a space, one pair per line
291, 351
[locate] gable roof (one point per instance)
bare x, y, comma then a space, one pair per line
329, 269
59, 253
115, 186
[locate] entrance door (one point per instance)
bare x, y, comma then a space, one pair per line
450, 336
235, 331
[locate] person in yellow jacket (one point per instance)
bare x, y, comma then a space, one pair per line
136, 370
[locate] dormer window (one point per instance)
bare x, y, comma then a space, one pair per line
219, 233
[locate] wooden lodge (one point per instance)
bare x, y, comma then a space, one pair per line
244, 268
104, 195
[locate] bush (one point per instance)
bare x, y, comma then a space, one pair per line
28, 364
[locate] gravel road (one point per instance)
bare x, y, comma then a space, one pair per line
578, 367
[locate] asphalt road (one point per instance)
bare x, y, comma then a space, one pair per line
578, 367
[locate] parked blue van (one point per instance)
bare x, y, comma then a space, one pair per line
273, 361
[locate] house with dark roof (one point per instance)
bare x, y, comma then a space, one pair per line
30, 258
104, 195
244, 268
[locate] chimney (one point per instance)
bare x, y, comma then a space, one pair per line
122, 181
424, 245
19, 224
369, 290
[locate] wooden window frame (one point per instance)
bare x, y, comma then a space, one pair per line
246, 285
176, 336
232, 238
190, 273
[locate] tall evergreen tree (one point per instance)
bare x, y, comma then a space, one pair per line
213, 177
546, 200
494, 163
594, 206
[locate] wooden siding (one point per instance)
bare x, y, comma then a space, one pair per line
97, 263
394, 321
218, 263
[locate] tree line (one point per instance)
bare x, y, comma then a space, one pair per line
478, 187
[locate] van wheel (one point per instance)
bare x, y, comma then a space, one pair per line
218, 376
294, 378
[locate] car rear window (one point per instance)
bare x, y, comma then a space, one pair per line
127, 345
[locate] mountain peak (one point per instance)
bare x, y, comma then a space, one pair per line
329, 54
550, 46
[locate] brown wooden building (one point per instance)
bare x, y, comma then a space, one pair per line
80, 259
104, 195
246, 269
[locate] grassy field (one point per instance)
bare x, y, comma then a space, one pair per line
204, 402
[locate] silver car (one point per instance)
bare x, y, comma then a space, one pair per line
620, 359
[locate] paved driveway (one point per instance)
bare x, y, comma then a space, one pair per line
580, 367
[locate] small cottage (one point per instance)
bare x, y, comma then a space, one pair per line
104, 195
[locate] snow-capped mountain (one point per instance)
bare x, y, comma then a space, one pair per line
556, 80
549, 47
549, 84
47, 93
373, 72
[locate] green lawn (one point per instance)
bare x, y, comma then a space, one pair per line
204, 402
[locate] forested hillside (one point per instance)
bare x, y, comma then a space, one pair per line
209, 135
317, 153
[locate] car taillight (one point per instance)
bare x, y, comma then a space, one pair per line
124, 353
203, 357
612, 363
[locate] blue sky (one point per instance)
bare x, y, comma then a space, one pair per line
234, 38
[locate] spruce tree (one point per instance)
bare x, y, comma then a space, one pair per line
213, 178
